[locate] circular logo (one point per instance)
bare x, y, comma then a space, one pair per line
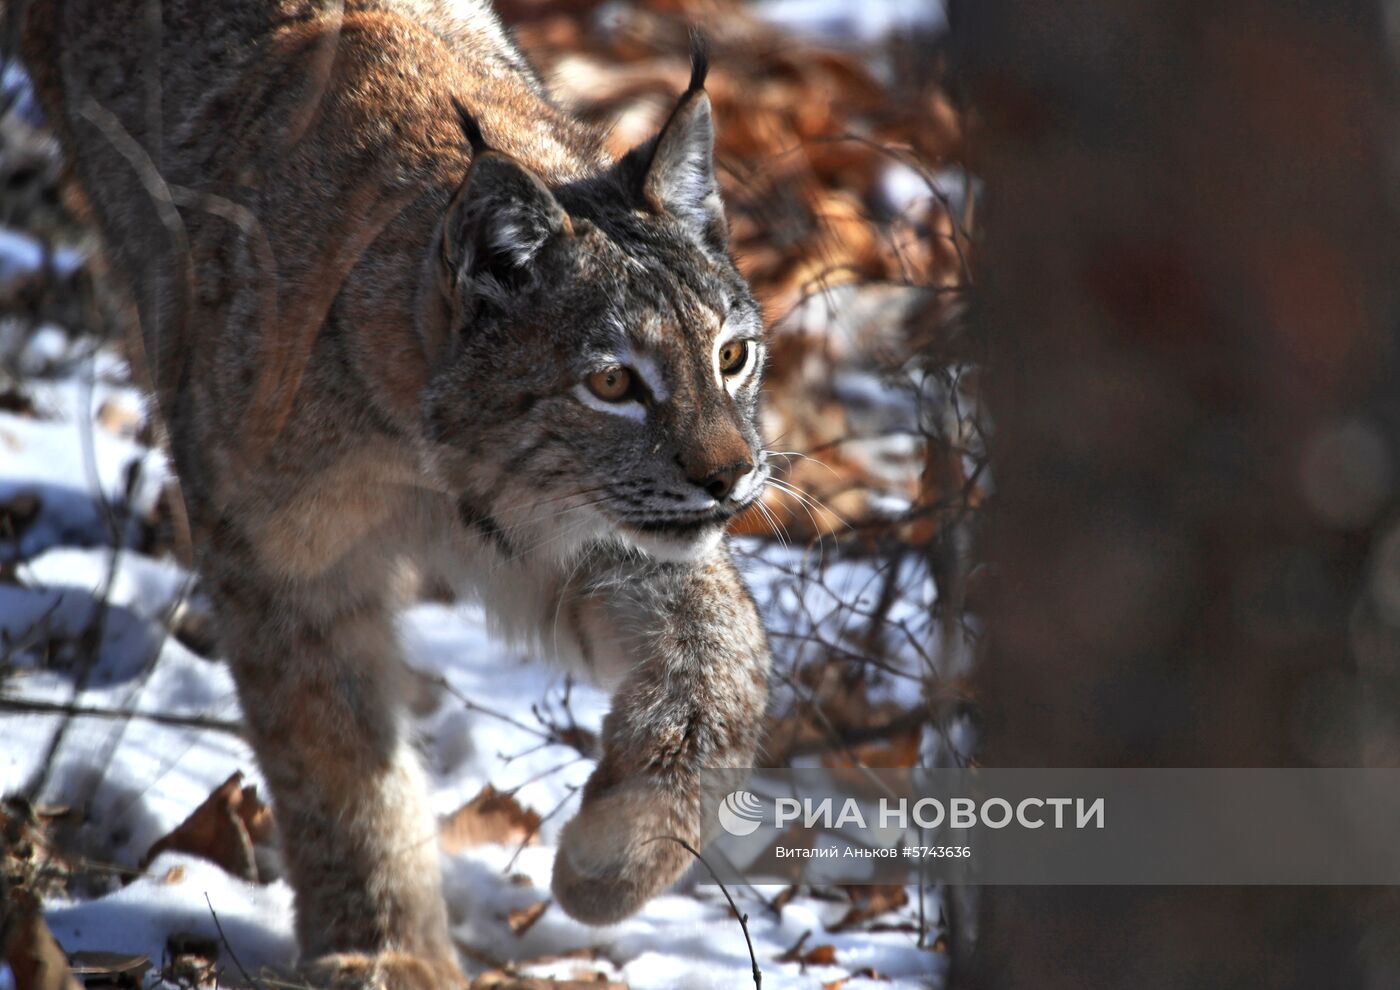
740, 813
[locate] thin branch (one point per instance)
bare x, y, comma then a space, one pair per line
224, 939
743, 918
535, 829
32, 706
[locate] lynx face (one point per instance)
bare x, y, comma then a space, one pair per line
607, 355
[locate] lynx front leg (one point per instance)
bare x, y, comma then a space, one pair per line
317, 674
694, 700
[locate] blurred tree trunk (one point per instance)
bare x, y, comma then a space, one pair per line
1189, 283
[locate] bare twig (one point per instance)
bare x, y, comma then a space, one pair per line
34, 706
535, 829
743, 918
577, 738
224, 939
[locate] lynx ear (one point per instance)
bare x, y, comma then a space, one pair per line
498, 223
680, 178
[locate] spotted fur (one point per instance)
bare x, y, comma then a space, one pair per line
376, 269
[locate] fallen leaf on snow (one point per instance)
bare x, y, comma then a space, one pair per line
191, 961
521, 920
784, 898
109, 969
818, 955
871, 902
224, 830
491, 816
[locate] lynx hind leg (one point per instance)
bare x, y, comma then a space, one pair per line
318, 677
693, 704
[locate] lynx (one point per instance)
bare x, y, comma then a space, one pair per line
396, 306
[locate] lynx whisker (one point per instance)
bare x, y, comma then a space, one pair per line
779, 530
790, 454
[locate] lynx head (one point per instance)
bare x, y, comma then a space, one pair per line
605, 354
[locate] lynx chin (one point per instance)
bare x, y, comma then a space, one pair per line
400, 312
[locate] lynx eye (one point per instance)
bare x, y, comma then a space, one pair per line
733, 356
611, 384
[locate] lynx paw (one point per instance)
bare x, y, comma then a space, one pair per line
616, 855
383, 971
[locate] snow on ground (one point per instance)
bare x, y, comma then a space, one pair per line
137, 778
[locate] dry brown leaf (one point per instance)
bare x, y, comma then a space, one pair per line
191, 960
491, 816
818, 955
109, 969
256, 817
521, 920
900, 750
191, 944
793, 953
33, 956
871, 902
223, 830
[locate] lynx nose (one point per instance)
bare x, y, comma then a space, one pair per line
716, 458
719, 483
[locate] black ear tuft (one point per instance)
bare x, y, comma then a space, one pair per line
470, 128
699, 61
679, 177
